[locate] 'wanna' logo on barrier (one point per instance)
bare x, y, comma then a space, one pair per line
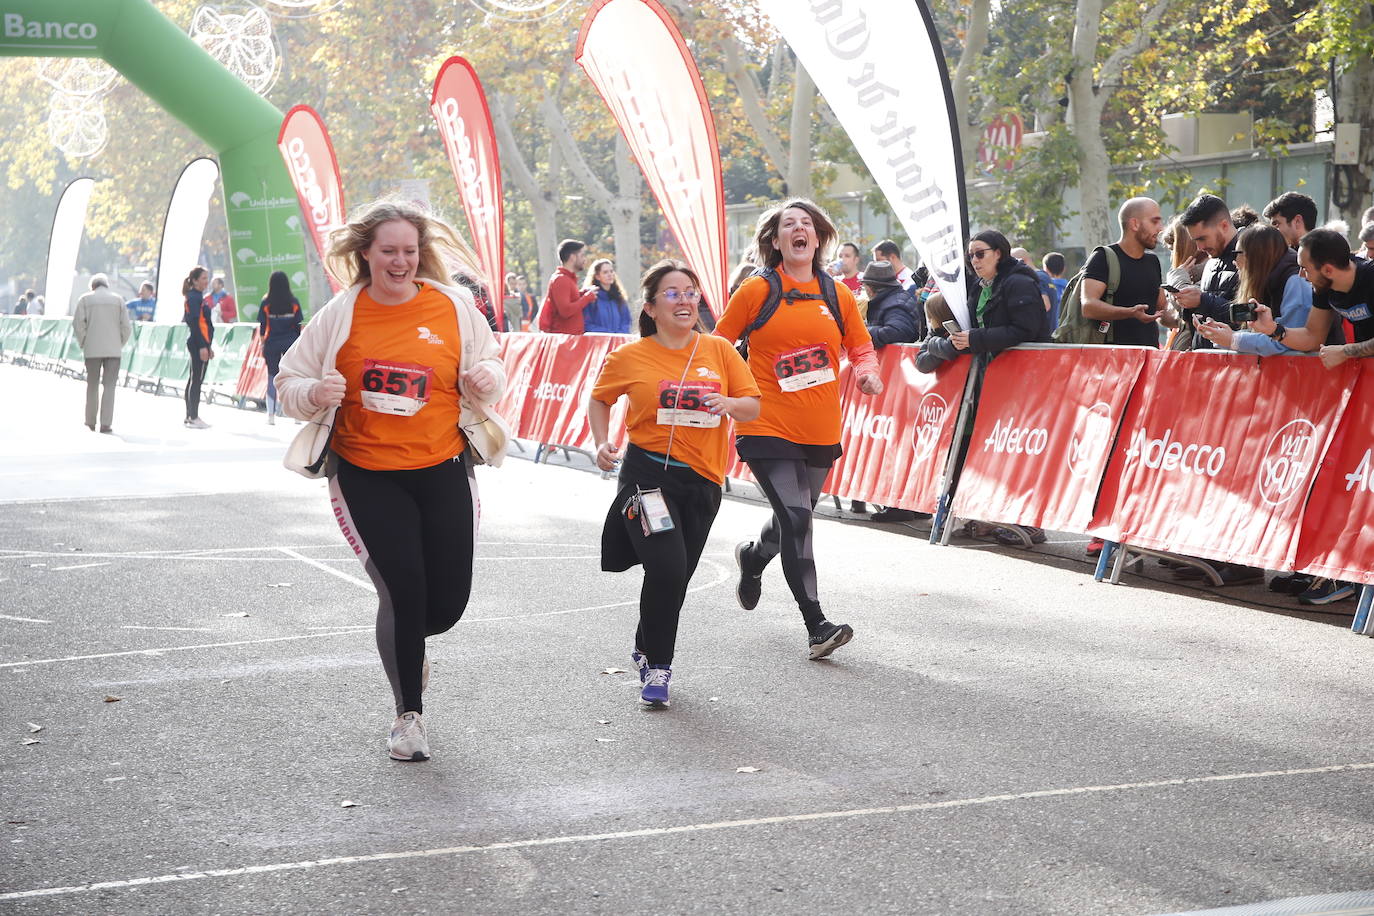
930, 419
1287, 462
1091, 436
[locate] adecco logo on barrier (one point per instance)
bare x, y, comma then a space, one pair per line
1088, 442
871, 426
16, 26
1169, 454
930, 419
1360, 477
548, 391
1010, 439
1288, 461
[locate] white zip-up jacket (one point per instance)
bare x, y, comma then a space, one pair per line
315, 352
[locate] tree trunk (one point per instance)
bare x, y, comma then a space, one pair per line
543, 200
1354, 89
799, 145
1085, 118
975, 41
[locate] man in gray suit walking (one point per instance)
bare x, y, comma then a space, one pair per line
102, 327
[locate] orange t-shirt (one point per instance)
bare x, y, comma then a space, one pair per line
400, 364
795, 358
649, 373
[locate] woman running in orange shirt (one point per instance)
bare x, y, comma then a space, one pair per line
404, 367
680, 382
794, 356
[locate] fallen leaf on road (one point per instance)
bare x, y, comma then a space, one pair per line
34, 729
603, 721
348, 804
111, 698
32, 741
606, 740
748, 770
236, 614
615, 671
32, 565
715, 699
278, 584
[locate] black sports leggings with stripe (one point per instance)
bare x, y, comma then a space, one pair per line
793, 488
414, 532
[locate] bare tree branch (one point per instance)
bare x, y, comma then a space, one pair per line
749, 94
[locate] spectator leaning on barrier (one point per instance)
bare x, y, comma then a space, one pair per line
1139, 305
888, 250
145, 306
1046, 290
1293, 214
1008, 310
1208, 223
1341, 286
892, 314
561, 312
1268, 275
101, 326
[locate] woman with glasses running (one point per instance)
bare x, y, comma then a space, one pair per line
679, 382
794, 356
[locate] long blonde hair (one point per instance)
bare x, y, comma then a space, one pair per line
442, 250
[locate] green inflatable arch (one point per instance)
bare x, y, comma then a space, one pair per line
265, 226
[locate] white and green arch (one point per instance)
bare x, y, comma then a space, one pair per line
240, 126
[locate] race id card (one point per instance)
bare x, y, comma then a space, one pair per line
683, 405
398, 389
804, 367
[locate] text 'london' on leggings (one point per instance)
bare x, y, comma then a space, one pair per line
414, 532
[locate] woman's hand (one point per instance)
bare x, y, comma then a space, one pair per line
960, 340
206, 354
480, 380
328, 391
870, 383
606, 456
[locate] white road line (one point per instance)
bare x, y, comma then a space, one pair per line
213, 645
329, 569
709, 826
77, 566
22, 619
721, 576
132, 626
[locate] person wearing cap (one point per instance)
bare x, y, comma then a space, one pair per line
892, 318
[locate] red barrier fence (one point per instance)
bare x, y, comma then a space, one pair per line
1210, 455
253, 374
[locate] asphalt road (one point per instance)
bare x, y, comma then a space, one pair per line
180, 618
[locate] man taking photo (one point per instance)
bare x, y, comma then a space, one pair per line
1340, 286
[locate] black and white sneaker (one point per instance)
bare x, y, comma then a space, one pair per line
829, 637
750, 585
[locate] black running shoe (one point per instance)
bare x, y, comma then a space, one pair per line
829, 637
750, 585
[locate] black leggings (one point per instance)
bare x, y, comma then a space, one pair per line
669, 557
793, 488
414, 532
198, 367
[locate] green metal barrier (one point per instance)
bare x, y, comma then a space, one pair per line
231, 345
147, 359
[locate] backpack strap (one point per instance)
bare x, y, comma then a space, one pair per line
1113, 274
832, 301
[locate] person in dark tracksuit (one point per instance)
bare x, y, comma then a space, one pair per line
279, 325
202, 335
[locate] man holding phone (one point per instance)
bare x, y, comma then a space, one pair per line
1143, 305
1208, 223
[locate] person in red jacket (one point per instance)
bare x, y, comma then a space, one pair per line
564, 302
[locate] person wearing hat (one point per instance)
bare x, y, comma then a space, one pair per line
892, 318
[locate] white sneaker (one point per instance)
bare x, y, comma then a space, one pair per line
197, 423
407, 740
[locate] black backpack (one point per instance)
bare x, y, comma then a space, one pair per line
776, 295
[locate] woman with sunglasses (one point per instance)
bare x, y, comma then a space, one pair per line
679, 382
795, 358
1008, 310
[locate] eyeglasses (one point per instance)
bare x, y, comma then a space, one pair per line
979, 253
673, 297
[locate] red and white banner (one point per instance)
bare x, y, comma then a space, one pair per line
460, 107
1337, 535
895, 444
314, 170
253, 373
1044, 431
635, 56
1217, 454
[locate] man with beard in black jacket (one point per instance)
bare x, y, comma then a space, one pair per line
1208, 223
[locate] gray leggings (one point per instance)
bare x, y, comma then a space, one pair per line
793, 489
